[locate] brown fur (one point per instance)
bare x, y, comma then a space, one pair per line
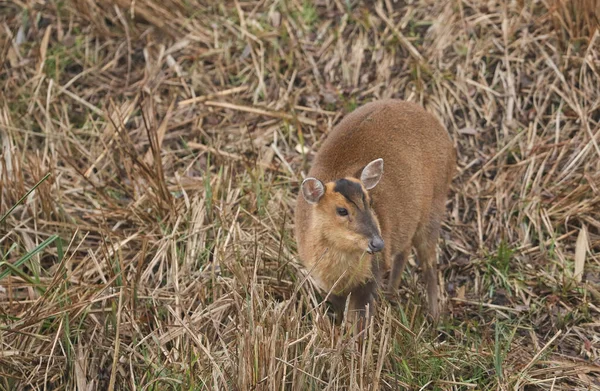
330, 262
409, 201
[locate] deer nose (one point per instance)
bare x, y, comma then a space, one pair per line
375, 244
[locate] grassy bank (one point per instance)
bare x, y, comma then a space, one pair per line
164, 142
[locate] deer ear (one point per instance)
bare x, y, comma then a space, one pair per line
312, 190
372, 173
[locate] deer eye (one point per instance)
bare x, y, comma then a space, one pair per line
342, 211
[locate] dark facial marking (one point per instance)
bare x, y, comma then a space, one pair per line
367, 224
352, 191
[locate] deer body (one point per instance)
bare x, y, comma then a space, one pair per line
351, 208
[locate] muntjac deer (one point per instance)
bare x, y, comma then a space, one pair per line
350, 209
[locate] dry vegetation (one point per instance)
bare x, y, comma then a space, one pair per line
164, 142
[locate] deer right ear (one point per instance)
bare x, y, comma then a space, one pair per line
372, 173
312, 190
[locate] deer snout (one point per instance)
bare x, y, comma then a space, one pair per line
375, 244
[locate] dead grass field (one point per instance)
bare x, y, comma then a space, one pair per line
164, 142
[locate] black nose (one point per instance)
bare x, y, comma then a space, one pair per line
376, 244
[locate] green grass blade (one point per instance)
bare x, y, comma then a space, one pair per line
25, 277
23, 198
28, 256
10, 250
498, 353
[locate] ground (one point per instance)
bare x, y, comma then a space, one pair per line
151, 157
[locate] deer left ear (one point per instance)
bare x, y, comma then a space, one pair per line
372, 173
312, 190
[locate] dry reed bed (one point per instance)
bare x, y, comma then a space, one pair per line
175, 135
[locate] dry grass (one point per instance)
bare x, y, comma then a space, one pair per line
158, 253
